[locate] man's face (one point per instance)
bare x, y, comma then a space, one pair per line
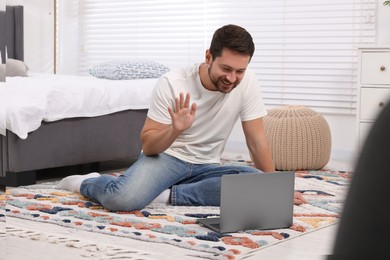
227, 71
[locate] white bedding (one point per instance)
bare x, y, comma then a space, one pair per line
45, 97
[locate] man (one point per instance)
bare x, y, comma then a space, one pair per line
190, 118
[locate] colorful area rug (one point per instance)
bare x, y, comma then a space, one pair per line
2, 216
324, 190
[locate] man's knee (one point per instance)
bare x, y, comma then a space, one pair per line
124, 203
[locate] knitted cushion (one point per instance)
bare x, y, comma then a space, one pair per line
299, 138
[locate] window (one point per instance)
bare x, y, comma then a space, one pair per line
306, 51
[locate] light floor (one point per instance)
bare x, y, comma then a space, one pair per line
314, 245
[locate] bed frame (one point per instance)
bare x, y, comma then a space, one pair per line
70, 142
12, 32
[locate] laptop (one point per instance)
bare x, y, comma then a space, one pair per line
254, 201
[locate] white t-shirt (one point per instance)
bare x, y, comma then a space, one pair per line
215, 116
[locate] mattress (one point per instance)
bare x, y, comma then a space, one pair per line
46, 97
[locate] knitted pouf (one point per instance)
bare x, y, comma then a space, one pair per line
299, 138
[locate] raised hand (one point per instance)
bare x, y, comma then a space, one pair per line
182, 114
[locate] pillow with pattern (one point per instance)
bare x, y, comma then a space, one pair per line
122, 70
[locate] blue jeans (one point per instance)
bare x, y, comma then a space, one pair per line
191, 184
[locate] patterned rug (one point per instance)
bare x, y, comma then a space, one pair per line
324, 190
2, 216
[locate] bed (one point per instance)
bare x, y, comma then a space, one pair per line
63, 120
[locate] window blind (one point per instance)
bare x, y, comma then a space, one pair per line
167, 31
306, 51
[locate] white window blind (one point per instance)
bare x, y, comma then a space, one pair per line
306, 51
167, 31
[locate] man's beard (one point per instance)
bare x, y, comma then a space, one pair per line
222, 84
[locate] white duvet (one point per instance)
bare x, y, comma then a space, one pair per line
44, 97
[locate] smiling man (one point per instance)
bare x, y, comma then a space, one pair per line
192, 114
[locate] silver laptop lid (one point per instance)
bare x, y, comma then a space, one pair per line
257, 201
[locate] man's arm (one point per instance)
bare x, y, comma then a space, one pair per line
258, 145
261, 154
157, 137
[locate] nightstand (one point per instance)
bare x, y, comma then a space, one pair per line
374, 88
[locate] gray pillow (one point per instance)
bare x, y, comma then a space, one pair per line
2, 72
15, 68
122, 70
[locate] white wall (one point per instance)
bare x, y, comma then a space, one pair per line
68, 39
38, 34
39, 57
383, 23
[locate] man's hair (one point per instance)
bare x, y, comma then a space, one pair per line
232, 37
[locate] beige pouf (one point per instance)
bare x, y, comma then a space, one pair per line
299, 138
